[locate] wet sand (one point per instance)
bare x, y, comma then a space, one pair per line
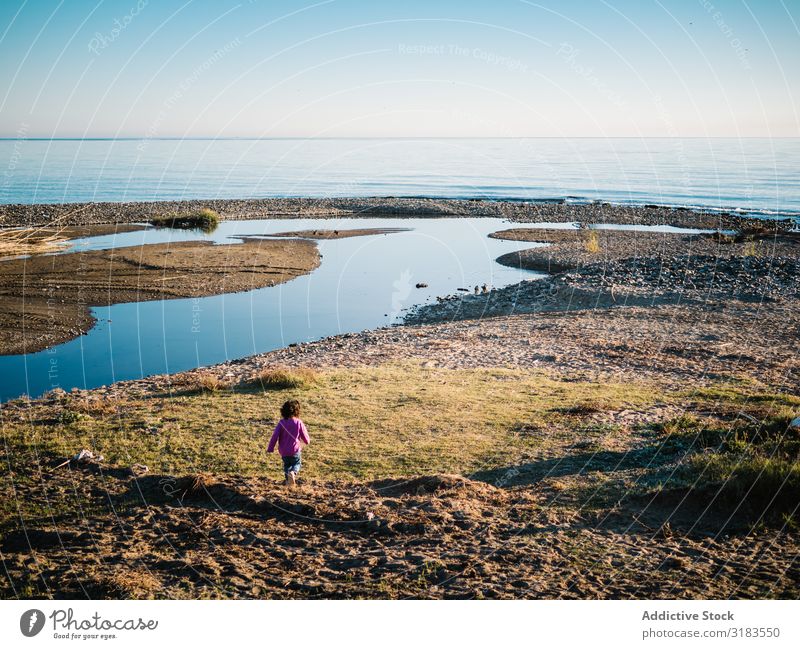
46, 298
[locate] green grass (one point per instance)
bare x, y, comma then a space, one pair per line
365, 423
767, 484
203, 219
745, 453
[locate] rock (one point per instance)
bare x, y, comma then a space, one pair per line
422, 285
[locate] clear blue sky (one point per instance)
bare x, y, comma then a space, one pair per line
195, 68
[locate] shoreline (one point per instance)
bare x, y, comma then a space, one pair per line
46, 304
43, 214
627, 269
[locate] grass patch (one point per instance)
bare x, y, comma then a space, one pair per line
769, 485
592, 243
394, 420
201, 382
207, 382
743, 459
286, 378
581, 409
203, 219
405, 420
753, 249
17, 242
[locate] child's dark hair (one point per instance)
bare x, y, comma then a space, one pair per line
290, 409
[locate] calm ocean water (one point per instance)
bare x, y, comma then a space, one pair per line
755, 175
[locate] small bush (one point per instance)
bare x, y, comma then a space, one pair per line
285, 378
207, 382
68, 417
592, 244
204, 219
93, 406
683, 425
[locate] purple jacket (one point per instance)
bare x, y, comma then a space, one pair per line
290, 435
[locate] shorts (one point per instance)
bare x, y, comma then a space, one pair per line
291, 463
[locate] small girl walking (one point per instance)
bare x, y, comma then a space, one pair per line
290, 435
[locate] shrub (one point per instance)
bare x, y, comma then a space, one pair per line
68, 417
203, 219
685, 424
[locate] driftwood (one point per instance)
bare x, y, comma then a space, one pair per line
84, 456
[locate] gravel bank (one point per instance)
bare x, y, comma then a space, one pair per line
325, 208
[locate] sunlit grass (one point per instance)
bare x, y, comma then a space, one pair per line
203, 219
365, 423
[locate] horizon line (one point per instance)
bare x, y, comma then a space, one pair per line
398, 137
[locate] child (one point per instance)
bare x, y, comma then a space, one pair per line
290, 434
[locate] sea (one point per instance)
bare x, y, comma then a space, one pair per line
760, 176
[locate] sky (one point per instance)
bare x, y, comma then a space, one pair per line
351, 68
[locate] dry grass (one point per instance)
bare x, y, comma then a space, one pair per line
398, 419
203, 219
94, 406
194, 485
394, 420
752, 249
210, 383
592, 243
203, 382
16, 243
285, 378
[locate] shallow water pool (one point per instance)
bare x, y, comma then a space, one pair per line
363, 283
